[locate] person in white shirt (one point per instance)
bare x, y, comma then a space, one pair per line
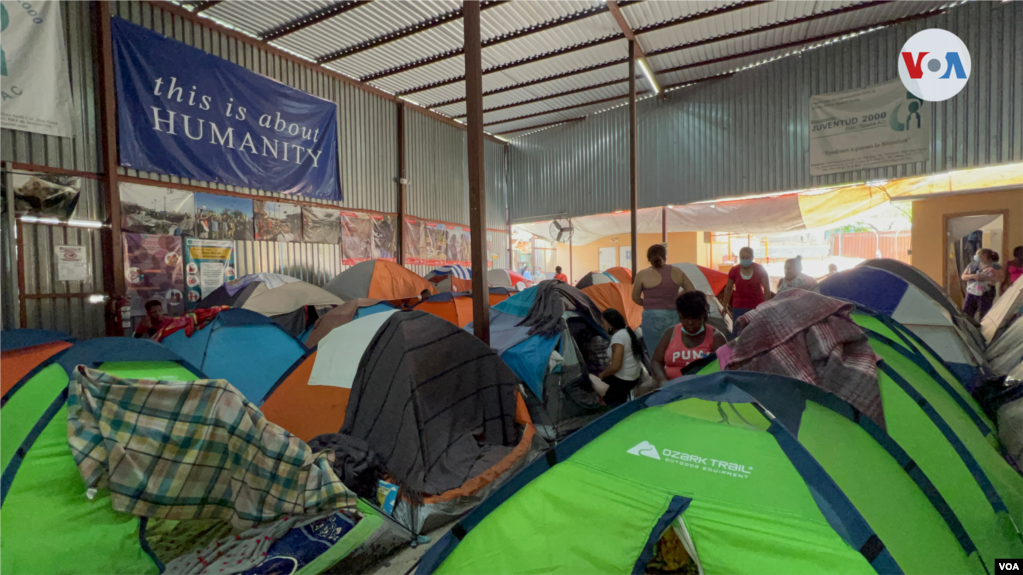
625, 369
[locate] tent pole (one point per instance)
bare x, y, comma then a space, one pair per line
633, 152
402, 183
571, 272
477, 168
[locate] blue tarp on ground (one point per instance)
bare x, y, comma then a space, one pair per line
247, 349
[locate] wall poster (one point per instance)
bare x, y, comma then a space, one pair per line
321, 225
219, 217
208, 265
384, 237
153, 271
277, 222
156, 210
46, 195
357, 237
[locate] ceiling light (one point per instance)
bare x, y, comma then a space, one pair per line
649, 77
56, 222
97, 298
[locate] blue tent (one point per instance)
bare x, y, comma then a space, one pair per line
891, 295
248, 349
13, 339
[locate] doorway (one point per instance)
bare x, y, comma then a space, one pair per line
607, 258
965, 235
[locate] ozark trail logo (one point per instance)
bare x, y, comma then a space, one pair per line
934, 65
645, 448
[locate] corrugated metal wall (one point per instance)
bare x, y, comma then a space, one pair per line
438, 187
494, 156
313, 263
748, 134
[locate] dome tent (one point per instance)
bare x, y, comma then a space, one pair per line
451, 278
751, 511
452, 306
378, 279
349, 311
23, 350
596, 278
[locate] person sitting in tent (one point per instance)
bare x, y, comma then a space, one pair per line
794, 276
153, 322
748, 286
626, 366
562, 277
691, 340
655, 289
981, 277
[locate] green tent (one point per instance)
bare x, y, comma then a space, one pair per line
48, 525
743, 466
939, 424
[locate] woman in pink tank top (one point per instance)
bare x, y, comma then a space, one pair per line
689, 341
656, 288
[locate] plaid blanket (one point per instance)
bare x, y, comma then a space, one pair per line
190, 322
811, 337
193, 450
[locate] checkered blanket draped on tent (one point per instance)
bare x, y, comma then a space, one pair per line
193, 450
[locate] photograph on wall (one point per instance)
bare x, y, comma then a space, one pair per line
219, 217
321, 225
45, 195
277, 222
384, 237
435, 248
413, 239
357, 237
459, 249
156, 210
208, 265
153, 271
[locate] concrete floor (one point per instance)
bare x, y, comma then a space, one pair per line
405, 560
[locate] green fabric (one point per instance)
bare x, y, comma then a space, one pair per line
167, 370
1007, 482
49, 526
594, 512
923, 441
26, 406
891, 502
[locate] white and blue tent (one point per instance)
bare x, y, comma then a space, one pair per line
893, 296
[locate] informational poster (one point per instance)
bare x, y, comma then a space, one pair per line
436, 244
45, 195
157, 210
357, 237
208, 265
219, 217
277, 222
459, 246
882, 125
72, 264
384, 237
321, 225
33, 69
188, 113
153, 271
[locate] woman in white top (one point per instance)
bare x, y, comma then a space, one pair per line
626, 366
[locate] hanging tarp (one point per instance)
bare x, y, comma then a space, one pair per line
188, 113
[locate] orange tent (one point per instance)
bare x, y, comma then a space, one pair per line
498, 295
619, 297
26, 349
453, 307
378, 279
621, 274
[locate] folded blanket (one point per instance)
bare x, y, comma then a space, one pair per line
808, 336
193, 450
358, 466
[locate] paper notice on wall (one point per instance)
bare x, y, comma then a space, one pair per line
211, 276
72, 264
882, 125
209, 264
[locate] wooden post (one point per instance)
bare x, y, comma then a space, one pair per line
477, 167
113, 270
633, 154
402, 183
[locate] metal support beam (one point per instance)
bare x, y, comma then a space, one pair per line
633, 154
537, 127
477, 169
203, 6
113, 268
310, 19
402, 184
623, 24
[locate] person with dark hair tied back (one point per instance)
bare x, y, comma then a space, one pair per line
794, 276
981, 277
1013, 268
656, 288
625, 369
691, 340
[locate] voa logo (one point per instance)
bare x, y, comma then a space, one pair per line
934, 65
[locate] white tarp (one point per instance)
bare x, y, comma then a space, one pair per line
35, 81
339, 352
881, 125
777, 214
591, 228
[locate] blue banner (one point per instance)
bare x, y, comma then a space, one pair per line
184, 112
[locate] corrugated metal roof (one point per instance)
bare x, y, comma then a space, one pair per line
549, 40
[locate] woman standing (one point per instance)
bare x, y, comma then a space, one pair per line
981, 277
626, 366
748, 286
656, 288
1013, 268
691, 340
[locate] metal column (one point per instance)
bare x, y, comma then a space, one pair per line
402, 183
113, 270
477, 169
633, 153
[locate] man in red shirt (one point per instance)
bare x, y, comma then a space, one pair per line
748, 286
560, 276
153, 321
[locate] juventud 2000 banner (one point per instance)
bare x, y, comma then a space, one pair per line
883, 125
